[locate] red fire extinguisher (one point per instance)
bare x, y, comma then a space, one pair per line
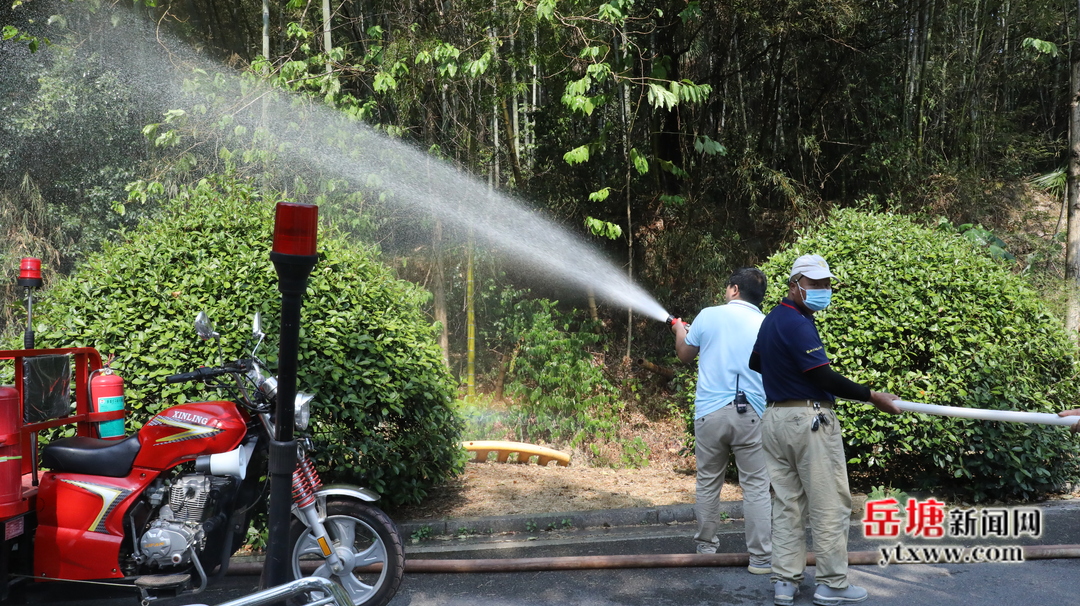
107, 395
10, 459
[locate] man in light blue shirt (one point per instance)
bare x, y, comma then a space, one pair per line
727, 413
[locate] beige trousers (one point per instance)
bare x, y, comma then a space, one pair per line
718, 435
808, 470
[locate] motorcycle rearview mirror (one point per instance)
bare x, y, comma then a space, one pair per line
204, 327
257, 334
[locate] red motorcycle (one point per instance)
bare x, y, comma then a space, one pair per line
164, 509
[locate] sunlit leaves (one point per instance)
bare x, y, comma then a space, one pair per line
545, 10
592, 52
384, 82
1042, 46
297, 32
10, 32
661, 97
578, 155
612, 12
604, 229
575, 96
688, 92
476, 68
683, 91
640, 162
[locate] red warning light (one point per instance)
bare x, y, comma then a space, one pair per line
296, 228
30, 269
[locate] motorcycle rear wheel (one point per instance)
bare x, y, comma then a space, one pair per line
362, 536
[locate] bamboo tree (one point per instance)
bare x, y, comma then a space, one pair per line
328, 45
1072, 247
470, 320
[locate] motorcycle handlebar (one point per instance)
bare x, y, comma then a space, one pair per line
199, 374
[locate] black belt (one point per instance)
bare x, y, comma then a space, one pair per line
800, 404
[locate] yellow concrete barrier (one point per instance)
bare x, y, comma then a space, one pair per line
503, 450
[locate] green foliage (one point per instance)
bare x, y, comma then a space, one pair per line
560, 393
1042, 46
878, 493
603, 229
382, 415
980, 236
932, 318
421, 534
563, 395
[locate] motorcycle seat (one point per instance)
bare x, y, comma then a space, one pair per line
109, 458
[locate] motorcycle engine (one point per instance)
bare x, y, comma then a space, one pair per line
179, 525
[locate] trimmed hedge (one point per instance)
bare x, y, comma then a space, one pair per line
382, 415
931, 317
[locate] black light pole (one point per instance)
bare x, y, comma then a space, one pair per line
29, 277
294, 256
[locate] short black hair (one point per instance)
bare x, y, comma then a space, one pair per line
751, 282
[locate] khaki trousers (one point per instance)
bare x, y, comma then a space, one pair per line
718, 435
808, 470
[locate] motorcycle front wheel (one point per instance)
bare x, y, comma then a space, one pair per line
366, 539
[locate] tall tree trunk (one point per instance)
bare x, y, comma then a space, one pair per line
627, 125
327, 44
265, 51
470, 321
1072, 247
512, 143
266, 29
440, 291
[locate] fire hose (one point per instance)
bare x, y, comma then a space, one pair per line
1012, 416
613, 562
678, 560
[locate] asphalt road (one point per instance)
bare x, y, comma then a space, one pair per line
1030, 583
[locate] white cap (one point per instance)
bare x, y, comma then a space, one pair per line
811, 266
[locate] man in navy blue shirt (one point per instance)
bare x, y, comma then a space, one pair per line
804, 450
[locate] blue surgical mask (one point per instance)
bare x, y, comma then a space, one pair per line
817, 299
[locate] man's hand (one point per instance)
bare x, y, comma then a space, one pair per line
884, 402
685, 353
1072, 413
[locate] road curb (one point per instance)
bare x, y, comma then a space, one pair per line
537, 522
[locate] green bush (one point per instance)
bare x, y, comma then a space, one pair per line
561, 393
932, 318
382, 416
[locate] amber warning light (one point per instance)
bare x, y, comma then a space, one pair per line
296, 229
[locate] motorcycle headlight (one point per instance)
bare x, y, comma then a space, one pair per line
302, 410
269, 387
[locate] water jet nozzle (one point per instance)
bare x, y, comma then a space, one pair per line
671, 320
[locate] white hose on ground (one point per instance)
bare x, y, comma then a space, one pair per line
1012, 416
